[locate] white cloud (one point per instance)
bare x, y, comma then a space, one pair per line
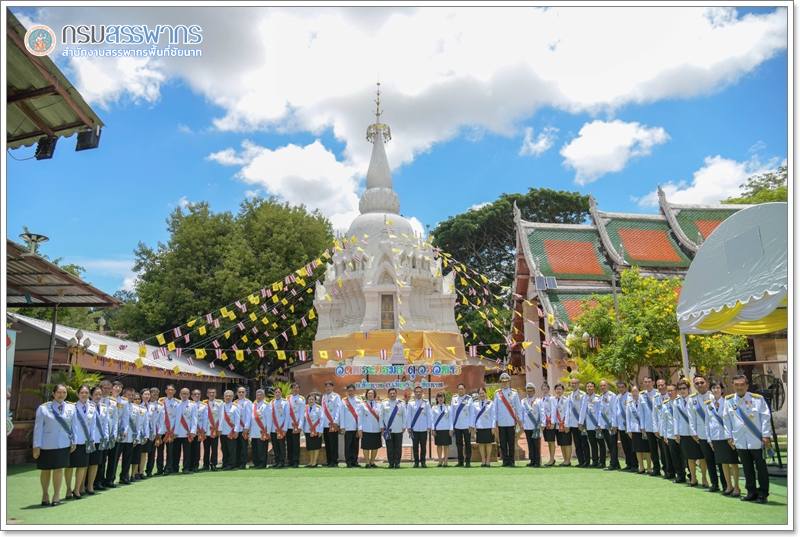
467, 70
756, 147
183, 202
718, 179
543, 142
308, 175
479, 206
185, 129
252, 193
603, 147
115, 268
417, 226
129, 283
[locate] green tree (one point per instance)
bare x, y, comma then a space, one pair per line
213, 259
764, 188
646, 333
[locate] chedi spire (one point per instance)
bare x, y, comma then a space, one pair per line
379, 196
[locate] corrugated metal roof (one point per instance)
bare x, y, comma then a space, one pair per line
47, 284
131, 351
21, 77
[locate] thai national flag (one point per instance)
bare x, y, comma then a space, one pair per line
383, 354
123, 347
216, 323
186, 338
301, 355
260, 352
285, 337
539, 311
231, 366
339, 354
176, 332
164, 351
215, 343
211, 365
335, 290
304, 322
209, 318
189, 360
240, 326
218, 352
155, 354
178, 352
428, 352
263, 293
254, 330
545, 344
234, 347
473, 351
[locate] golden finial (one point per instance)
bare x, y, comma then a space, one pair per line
373, 129
378, 110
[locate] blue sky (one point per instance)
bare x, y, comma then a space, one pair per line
480, 101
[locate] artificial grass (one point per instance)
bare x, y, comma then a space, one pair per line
434, 495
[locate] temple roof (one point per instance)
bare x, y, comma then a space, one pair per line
567, 305
640, 240
566, 251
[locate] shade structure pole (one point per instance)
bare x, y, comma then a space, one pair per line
51, 350
685, 355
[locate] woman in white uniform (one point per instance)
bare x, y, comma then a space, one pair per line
99, 432
371, 429
81, 430
53, 442
484, 426
443, 428
719, 435
313, 429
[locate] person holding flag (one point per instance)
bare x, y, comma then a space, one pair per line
229, 429
330, 404
351, 425
507, 414
461, 410
393, 419
260, 431
312, 426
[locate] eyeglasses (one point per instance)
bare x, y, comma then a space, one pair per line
683, 388
699, 383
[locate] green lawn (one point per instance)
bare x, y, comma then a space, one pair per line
407, 496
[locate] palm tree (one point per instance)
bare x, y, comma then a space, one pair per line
73, 380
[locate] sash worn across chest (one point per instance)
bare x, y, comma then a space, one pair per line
716, 415
278, 429
529, 411
745, 420
228, 421
352, 410
484, 406
312, 425
700, 409
372, 411
442, 412
295, 423
458, 410
506, 403
85, 427
388, 428
214, 426
682, 412
260, 424
419, 411
62, 422
622, 413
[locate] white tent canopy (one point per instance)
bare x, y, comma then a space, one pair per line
738, 281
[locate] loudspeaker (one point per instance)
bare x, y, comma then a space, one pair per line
88, 140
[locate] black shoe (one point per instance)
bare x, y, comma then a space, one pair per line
459, 464
99, 487
124, 481
749, 498
691, 484
467, 464
206, 467
296, 465
45, 504
424, 465
530, 465
655, 474
110, 486
416, 465
676, 481
715, 488
214, 468
55, 504
160, 472
356, 465
761, 499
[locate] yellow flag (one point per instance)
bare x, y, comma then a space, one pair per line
484, 279
224, 357
160, 338
339, 282
353, 239
224, 311
275, 298
199, 374
538, 349
488, 351
258, 342
444, 262
284, 301
102, 350
191, 323
277, 286
228, 334
464, 300
399, 301
253, 299
200, 353
526, 344
176, 370
274, 345
231, 316
139, 363
264, 320
171, 346
309, 290
253, 317
275, 326
223, 375
366, 236
301, 281
360, 353
240, 356
294, 329
392, 236
452, 349
402, 339
463, 282
323, 355
202, 330
281, 355
244, 339
402, 321
550, 319
389, 222
406, 353
311, 314
495, 347
459, 317
291, 308
142, 351
494, 310
327, 297
482, 314
301, 271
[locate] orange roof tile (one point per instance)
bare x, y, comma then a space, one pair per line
575, 307
707, 226
648, 244
570, 257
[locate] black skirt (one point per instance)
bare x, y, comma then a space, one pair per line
549, 435
313, 443
443, 438
79, 458
136, 456
370, 441
53, 459
639, 444
484, 436
95, 456
563, 439
690, 448
724, 453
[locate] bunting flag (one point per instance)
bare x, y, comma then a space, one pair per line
123, 347
186, 338
473, 351
323, 355
281, 355
339, 354
303, 322
428, 352
102, 350
452, 349
139, 363
594, 342
202, 330
164, 351
171, 346
384, 354
176, 332
545, 344
189, 360
155, 354
211, 365
209, 318
240, 356
178, 352
301, 355
218, 352
240, 326
230, 367
260, 352
215, 343
216, 323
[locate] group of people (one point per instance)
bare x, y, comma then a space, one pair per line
658, 427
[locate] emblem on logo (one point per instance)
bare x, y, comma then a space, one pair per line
40, 40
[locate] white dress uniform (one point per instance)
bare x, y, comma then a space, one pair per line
297, 406
199, 412
229, 423
546, 402
297, 409
128, 431
592, 422
112, 419
649, 421
330, 404
464, 419
279, 427
371, 423
262, 411
634, 416
418, 422
576, 408
245, 416
49, 435
667, 422
83, 423
716, 426
559, 410
698, 416
314, 417
749, 420
683, 421
657, 400
507, 420
167, 416
398, 423
186, 422
483, 421
533, 416
607, 410
99, 426
621, 411
442, 418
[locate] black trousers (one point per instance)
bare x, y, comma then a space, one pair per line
678, 465
111, 463
666, 458
506, 435
350, 448
278, 449
210, 451
394, 448
171, 465
627, 449
581, 445
597, 447
181, 447
126, 450
653, 443
156, 457
711, 464
753, 464
419, 445
241, 451
613, 450
194, 454
100, 477
228, 452
331, 445
534, 453
463, 443
293, 447
259, 452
